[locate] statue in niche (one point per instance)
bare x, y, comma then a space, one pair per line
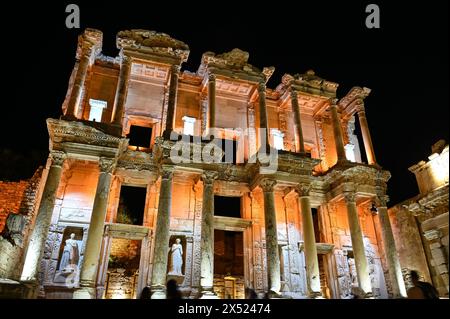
177, 258
70, 255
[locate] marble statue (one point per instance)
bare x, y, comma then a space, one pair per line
177, 258
70, 254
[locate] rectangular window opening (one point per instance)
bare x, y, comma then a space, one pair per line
227, 206
131, 205
140, 136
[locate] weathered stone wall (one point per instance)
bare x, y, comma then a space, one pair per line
18, 202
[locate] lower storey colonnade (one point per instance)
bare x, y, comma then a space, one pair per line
274, 241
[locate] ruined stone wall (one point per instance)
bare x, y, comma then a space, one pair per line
18, 203
408, 243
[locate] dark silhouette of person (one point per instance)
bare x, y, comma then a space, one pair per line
421, 289
172, 291
146, 293
251, 294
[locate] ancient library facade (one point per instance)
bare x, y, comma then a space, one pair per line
208, 178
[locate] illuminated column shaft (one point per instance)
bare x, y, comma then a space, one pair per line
207, 234
298, 122
393, 262
78, 84
362, 268
172, 104
311, 258
39, 233
337, 130
90, 265
263, 118
272, 253
368, 146
212, 102
162, 235
122, 89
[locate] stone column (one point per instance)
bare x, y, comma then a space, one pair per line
298, 122
311, 258
89, 268
39, 233
273, 257
368, 146
211, 102
207, 235
362, 268
393, 262
263, 118
122, 89
162, 235
172, 104
337, 130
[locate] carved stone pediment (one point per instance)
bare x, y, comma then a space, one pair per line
311, 83
152, 41
236, 60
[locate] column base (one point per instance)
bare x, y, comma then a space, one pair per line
315, 295
159, 294
208, 295
274, 295
85, 293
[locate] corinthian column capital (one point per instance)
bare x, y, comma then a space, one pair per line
211, 77
267, 185
176, 69
106, 164
57, 158
208, 177
303, 189
350, 197
167, 173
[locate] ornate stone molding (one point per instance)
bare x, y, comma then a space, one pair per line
267, 185
208, 177
57, 158
107, 164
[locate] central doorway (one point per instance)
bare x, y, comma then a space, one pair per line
229, 264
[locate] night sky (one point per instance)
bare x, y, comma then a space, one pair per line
405, 63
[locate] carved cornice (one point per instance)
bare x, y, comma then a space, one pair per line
77, 132
267, 185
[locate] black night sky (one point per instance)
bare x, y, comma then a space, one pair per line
405, 63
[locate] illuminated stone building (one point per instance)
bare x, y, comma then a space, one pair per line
117, 194
420, 223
